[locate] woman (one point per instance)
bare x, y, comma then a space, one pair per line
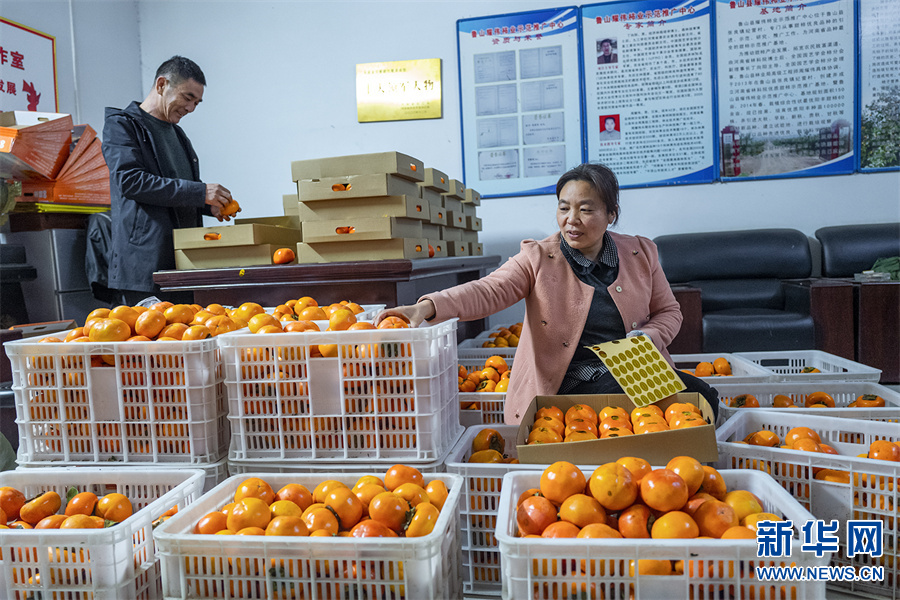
582, 286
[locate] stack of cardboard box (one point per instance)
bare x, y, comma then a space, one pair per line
379, 206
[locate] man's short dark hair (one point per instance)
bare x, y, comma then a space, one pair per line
178, 69
606, 41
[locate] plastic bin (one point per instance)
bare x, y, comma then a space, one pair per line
552, 568
472, 349
240, 467
788, 365
870, 492
385, 395
742, 370
843, 392
207, 566
478, 508
213, 474
476, 408
115, 562
159, 402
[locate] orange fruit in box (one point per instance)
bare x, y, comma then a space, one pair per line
283, 256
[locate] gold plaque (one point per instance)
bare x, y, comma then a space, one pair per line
399, 90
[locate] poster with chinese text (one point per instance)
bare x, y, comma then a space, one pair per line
27, 69
879, 85
786, 87
520, 100
649, 90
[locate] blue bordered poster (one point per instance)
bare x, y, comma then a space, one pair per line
649, 90
879, 85
786, 87
520, 100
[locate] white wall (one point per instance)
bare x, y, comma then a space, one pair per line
281, 87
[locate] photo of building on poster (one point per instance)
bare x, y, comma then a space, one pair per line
879, 41
786, 88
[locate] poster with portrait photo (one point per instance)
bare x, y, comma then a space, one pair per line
649, 115
607, 51
609, 128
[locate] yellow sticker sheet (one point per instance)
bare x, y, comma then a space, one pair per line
645, 376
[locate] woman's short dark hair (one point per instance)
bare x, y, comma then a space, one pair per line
603, 180
178, 69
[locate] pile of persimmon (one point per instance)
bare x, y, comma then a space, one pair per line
81, 510
808, 440
398, 504
162, 321
817, 399
581, 422
630, 499
492, 377
488, 446
504, 337
720, 367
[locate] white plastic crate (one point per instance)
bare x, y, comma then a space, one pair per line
843, 392
207, 566
787, 365
79, 564
388, 395
213, 474
472, 349
552, 568
742, 370
870, 493
476, 408
159, 402
240, 467
478, 508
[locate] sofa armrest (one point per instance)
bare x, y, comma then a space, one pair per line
690, 337
830, 304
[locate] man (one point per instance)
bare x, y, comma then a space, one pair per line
606, 55
154, 179
609, 132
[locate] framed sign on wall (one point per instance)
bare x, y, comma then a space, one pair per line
520, 100
27, 69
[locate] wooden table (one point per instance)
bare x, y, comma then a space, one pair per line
390, 282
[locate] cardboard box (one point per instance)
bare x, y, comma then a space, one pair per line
473, 197
436, 180
656, 448
432, 197
394, 163
438, 216
412, 207
453, 204
440, 247
451, 234
473, 223
457, 248
476, 249
457, 189
432, 232
215, 258
435, 202
353, 229
287, 221
290, 201
455, 218
325, 252
356, 186
469, 209
468, 236
247, 234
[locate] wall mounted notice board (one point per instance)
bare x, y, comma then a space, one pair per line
520, 99
684, 91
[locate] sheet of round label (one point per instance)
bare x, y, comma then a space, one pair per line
640, 369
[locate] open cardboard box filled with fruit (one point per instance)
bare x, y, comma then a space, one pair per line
656, 447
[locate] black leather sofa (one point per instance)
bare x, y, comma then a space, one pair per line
745, 305
851, 249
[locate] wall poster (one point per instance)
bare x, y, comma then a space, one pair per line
786, 87
27, 69
649, 90
879, 87
520, 100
